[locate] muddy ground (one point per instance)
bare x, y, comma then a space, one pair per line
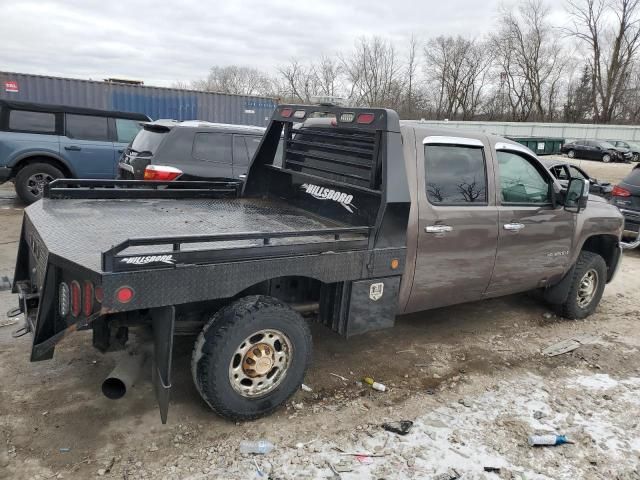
471, 377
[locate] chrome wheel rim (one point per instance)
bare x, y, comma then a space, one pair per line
571, 154
587, 288
260, 363
606, 158
37, 182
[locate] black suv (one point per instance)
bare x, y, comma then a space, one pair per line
192, 150
596, 150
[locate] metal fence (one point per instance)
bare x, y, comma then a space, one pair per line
156, 102
568, 131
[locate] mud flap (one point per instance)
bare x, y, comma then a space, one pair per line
163, 323
558, 293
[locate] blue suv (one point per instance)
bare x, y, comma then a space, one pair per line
39, 143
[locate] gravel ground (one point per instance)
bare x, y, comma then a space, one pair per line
472, 378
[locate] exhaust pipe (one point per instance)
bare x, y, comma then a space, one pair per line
123, 376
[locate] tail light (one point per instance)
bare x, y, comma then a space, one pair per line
63, 299
620, 192
161, 173
286, 112
76, 301
87, 298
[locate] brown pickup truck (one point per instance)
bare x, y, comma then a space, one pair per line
355, 219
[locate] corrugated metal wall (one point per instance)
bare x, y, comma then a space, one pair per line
568, 131
156, 102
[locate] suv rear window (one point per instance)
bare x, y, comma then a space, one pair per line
26, 121
633, 178
147, 141
87, 127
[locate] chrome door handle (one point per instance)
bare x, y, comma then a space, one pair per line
437, 228
242, 177
513, 227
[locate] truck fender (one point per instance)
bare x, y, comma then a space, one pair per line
46, 154
559, 292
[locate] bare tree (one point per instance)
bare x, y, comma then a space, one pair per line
530, 60
374, 73
611, 31
234, 79
457, 69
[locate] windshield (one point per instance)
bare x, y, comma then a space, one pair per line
147, 141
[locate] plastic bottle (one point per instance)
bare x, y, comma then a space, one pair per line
541, 440
375, 385
260, 447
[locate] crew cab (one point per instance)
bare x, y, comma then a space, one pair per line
359, 218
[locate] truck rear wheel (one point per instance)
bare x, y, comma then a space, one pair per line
587, 287
251, 357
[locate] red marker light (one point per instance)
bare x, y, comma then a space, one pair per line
124, 294
365, 118
286, 112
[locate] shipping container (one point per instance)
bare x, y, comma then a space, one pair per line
156, 102
567, 131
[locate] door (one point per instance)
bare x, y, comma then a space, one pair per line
88, 147
457, 225
534, 236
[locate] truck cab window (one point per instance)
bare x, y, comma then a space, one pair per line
520, 181
455, 175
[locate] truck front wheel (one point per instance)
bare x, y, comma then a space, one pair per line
587, 286
251, 357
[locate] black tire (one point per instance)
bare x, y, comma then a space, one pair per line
571, 154
25, 187
587, 262
226, 333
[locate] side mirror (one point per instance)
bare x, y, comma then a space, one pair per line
577, 195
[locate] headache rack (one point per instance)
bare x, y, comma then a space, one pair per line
69, 188
263, 245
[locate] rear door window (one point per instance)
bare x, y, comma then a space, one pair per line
126, 129
212, 147
87, 127
147, 141
36, 122
455, 175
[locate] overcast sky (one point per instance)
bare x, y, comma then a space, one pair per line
160, 42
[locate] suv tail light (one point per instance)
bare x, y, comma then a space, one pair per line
161, 173
620, 192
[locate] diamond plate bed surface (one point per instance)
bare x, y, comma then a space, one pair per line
80, 230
